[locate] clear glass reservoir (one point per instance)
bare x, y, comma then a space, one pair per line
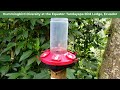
58, 35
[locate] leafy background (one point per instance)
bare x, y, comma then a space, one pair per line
22, 40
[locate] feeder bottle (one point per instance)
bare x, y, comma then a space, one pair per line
58, 35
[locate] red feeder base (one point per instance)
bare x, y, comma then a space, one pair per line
57, 59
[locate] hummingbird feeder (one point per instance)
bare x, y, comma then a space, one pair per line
58, 57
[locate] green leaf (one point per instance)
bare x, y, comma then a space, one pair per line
70, 73
42, 39
25, 55
13, 32
38, 62
32, 73
45, 46
32, 27
16, 65
88, 77
17, 50
46, 22
37, 44
5, 58
29, 45
43, 75
23, 70
31, 60
20, 45
19, 37
71, 37
4, 70
78, 33
27, 67
15, 69
15, 21
0, 39
8, 38
26, 77
9, 46
13, 75
39, 21
33, 21
25, 34
76, 24
93, 67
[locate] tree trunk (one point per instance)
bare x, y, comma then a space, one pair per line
110, 67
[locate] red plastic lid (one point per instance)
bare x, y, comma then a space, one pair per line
57, 59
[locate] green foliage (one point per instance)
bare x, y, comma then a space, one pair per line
88, 37
70, 73
22, 40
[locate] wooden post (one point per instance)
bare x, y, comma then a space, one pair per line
59, 74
